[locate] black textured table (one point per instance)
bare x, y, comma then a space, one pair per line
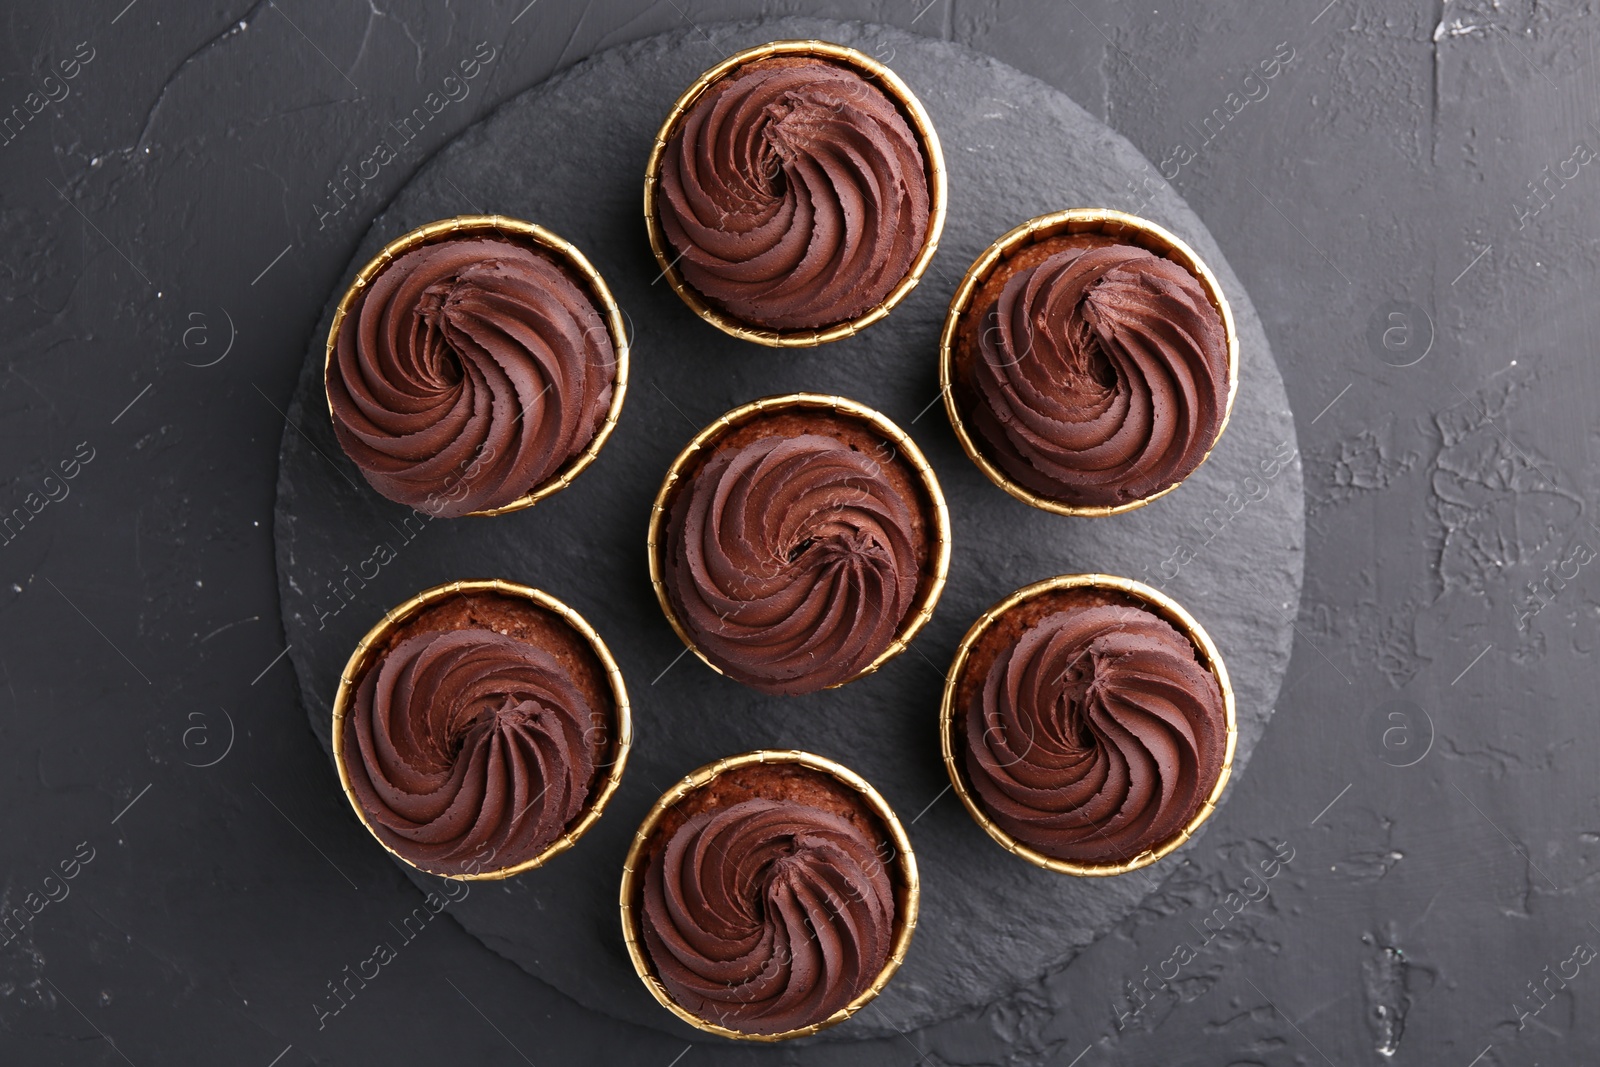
1403, 190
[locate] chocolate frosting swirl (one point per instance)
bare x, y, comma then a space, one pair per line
1096, 735
1103, 374
794, 194
767, 916
791, 562
469, 750
468, 374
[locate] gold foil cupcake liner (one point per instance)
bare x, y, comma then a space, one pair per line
568, 256
364, 658
908, 887
1127, 228
933, 157
952, 746
935, 573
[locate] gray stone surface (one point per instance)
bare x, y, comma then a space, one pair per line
569, 155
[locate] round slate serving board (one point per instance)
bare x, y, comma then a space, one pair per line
570, 154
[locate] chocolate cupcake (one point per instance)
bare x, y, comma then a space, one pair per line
480, 728
475, 366
768, 896
1089, 362
799, 542
795, 193
1088, 724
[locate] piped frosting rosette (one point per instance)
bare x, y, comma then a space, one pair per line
1096, 735
1103, 376
766, 916
468, 750
794, 194
792, 562
468, 373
